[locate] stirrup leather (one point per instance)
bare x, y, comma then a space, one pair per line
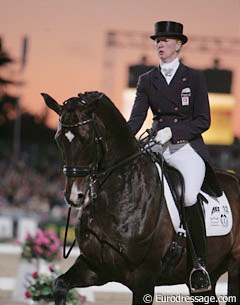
205, 276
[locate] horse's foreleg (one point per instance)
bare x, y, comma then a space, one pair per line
79, 275
143, 288
143, 295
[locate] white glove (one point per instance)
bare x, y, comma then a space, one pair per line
163, 135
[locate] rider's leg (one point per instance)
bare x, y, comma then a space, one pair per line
199, 278
192, 168
197, 231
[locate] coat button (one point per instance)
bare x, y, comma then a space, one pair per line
160, 120
175, 120
176, 108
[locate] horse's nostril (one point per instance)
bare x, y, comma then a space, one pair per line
80, 195
81, 198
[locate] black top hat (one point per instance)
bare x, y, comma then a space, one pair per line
169, 29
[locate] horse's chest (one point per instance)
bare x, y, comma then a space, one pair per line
88, 237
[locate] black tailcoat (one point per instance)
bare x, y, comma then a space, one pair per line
182, 105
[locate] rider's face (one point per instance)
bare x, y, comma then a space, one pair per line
167, 48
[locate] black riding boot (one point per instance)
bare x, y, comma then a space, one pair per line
199, 278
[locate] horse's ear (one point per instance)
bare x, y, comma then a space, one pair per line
51, 103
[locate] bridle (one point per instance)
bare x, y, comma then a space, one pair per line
92, 168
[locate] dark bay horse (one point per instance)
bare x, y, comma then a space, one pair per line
124, 228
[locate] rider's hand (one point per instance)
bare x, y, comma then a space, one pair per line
163, 135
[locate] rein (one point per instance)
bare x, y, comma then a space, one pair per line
66, 255
119, 164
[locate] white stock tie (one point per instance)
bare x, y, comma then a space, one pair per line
167, 71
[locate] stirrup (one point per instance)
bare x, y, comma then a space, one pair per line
203, 276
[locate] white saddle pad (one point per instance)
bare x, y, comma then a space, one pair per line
218, 215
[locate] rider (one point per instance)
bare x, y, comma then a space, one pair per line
178, 98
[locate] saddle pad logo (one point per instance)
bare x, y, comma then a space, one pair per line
218, 215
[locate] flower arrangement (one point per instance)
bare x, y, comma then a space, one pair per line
44, 245
40, 288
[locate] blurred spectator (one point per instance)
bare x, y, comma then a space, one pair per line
33, 184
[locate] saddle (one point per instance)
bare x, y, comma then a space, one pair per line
175, 181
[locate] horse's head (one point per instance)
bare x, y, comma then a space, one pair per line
80, 137
92, 136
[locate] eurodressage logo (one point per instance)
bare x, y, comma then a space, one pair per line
180, 298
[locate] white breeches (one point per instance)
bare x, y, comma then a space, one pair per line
192, 167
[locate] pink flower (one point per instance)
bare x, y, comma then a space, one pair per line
45, 244
38, 249
54, 238
39, 233
38, 241
53, 248
41, 240
46, 241
27, 294
35, 275
52, 234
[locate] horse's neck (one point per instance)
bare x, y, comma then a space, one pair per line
120, 147
120, 142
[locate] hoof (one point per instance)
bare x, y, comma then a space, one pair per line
60, 288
